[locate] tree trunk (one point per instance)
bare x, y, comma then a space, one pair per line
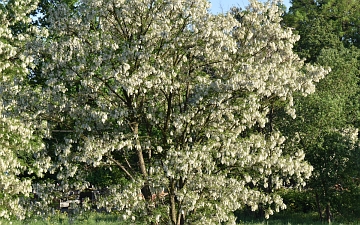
172, 202
328, 213
139, 150
145, 190
318, 206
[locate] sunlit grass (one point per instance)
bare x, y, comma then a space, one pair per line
64, 219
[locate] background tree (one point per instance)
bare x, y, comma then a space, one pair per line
325, 28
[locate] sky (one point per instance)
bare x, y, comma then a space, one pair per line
218, 6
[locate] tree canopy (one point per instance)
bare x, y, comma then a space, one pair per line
171, 95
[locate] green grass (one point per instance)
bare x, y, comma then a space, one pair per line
285, 218
64, 219
112, 219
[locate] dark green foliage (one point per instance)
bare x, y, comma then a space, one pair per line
323, 24
298, 201
102, 177
328, 32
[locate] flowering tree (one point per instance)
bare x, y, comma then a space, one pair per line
19, 137
180, 92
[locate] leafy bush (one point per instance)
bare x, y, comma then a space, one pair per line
299, 200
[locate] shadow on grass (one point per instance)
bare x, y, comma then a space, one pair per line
286, 218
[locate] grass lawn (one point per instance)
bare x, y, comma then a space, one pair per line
64, 219
112, 219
